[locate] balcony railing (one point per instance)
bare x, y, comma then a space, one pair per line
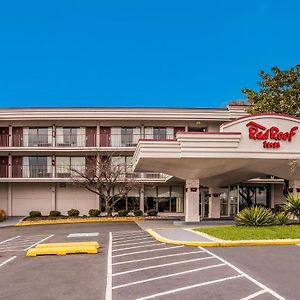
3, 171
31, 140
32, 171
76, 140
4, 140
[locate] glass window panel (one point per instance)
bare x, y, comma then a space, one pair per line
176, 191
150, 191
163, 191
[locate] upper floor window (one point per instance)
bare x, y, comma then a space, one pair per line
37, 137
159, 133
70, 137
125, 136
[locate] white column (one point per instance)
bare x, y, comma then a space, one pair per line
98, 136
295, 184
192, 200
53, 196
142, 198
214, 203
9, 194
9, 165
10, 137
53, 135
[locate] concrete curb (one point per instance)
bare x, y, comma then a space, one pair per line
159, 238
75, 221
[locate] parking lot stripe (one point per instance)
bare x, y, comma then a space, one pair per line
46, 238
145, 251
130, 244
140, 246
169, 275
156, 257
164, 265
189, 287
7, 261
254, 295
15, 237
262, 286
108, 292
128, 233
128, 240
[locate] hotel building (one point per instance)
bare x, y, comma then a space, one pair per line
192, 162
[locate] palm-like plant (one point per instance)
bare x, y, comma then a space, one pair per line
255, 216
292, 205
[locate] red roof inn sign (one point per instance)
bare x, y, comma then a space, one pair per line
272, 136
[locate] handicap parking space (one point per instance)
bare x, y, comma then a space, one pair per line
142, 268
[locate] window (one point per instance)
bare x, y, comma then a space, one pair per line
37, 166
71, 137
37, 137
64, 165
159, 133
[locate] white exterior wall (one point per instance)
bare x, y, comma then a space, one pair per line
278, 195
4, 196
74, 197
31, 196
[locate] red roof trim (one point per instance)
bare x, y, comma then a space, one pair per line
258, 115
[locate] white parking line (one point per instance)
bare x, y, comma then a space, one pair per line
129, 234
136, 238
169, 275
15, 237
145, 251
254, 295
108, 292
7, 261
164, 265
262, 286
189, 287
46, 238
128, 240
155, 257
140, 246
130, 244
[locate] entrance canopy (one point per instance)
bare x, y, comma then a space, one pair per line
248, 147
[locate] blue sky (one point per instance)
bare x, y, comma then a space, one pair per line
141, 53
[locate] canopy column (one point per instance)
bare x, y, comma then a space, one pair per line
214, 203
192, 200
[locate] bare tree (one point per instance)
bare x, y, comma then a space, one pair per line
111, 182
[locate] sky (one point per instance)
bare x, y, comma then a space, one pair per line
158, 53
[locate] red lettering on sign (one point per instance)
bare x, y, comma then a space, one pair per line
259, 132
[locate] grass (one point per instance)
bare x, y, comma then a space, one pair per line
253, 233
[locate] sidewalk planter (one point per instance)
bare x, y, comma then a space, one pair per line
79, 220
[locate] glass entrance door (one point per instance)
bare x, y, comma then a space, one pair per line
203, 203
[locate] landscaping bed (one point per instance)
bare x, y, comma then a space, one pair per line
234, 233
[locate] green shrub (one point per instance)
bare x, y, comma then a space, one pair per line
94, 212
292, 205
255, 216
73, 212
123, 213
2, 215
55, 213
35, 214
152, 212
138, 213
281, 219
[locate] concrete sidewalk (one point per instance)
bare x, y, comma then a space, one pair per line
10, 221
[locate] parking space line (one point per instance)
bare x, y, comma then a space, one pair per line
46, 238
15, 237
128, 233
145, 251
140, 246
155, 257
135, 239
7, 261
163, 265
254, 295
153, 242
108, 292
262, 286
189, 287
168, 275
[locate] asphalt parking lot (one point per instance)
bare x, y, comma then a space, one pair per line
132, 265
80, 276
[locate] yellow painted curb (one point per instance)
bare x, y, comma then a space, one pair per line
72, 244
184, 243
62, 250
74, 221
223, 243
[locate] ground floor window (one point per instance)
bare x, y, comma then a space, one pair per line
164, 198
253, 195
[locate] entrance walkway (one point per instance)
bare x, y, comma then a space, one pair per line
10, 221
